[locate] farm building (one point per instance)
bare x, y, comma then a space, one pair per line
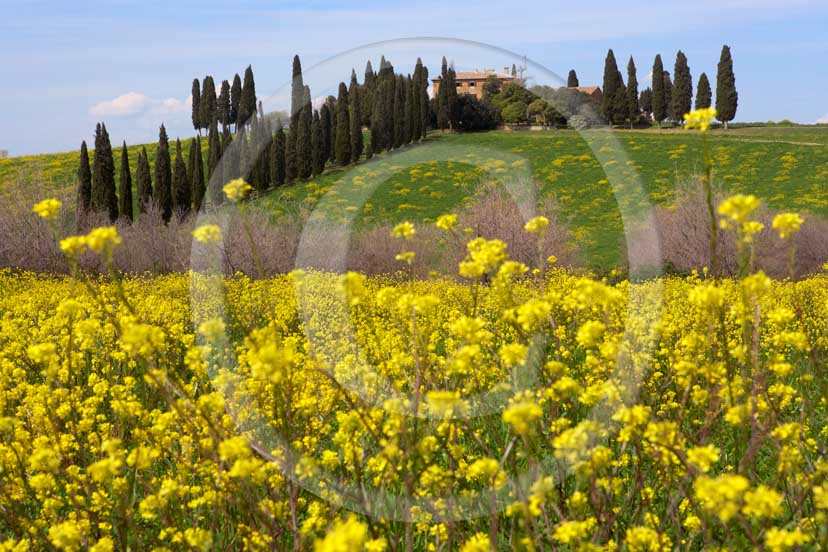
471, 82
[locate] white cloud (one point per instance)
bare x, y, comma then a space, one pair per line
134, 103
823, 120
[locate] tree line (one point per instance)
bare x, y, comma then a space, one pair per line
670, 97
393, 107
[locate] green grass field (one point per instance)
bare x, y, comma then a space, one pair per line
785, 166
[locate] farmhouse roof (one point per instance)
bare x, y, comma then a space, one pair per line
478, 75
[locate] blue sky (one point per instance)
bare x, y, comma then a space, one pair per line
131, 63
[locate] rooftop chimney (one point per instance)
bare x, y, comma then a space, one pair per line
505, 70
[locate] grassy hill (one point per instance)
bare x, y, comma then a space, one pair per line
786, 166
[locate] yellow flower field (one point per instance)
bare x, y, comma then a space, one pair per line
317, 411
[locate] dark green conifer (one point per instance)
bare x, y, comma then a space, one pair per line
633, 106
612, 82
572, 79
196, 113
646, 101
727, 98
399, 111
659, 102
103, 196
182, 197
143, 181
197, 173
235, 99
207, 107
317, 155
213, 149
682, 88
330, 137
416, 119
668, 97
343, 125
425, 102
356, 120
304, 153
163, 176
277, 156
325, 128
125, 187
223, 106
704, 95
84, 194
247, 103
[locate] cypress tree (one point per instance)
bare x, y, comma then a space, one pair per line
659, 113
229, 165
399, 111
297, 93
620, 109
182, 198
277, 156
325, 128
330, 102
704, 95
425, 103
442, 97
514, 70
163, 176
247, 103
213, 149
668, 97
304, 153
646, 101
416, 119
378, 119
223, 107
207, 108
196, 114
356, 121
633, 107
451, 98
727, 98
611, 85
235, 100
572, 79
317, 155
103, 196
197, 173
366, 100
84, 195
143, 181
125, 189
343, 125
682, 88
408, 111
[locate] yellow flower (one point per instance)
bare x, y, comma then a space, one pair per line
48, 208
703, 457
103, 239
738, 208
404, 230
236, 190
522, 416
200, 539
207, 233
479, 542
787, 224
780, 540
66, 536
73, 245
406, 257
700, 118
446, 222
537, 225
350, 535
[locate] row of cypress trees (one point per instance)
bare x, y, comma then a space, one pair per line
233, 105
179, 187
394, 107
669, 98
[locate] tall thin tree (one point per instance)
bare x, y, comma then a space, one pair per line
659, 103
196, 100
182, 197
611, 85
572, 79
356, 120
704, 95
633, 107
197, 173
143, 181
682, 88
727, 98
235, 99
125, 186
207, 108
163, 176
343, 125
84, 194
223, 106
277, 156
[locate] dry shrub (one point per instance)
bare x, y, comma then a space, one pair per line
150, 246
684, 231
